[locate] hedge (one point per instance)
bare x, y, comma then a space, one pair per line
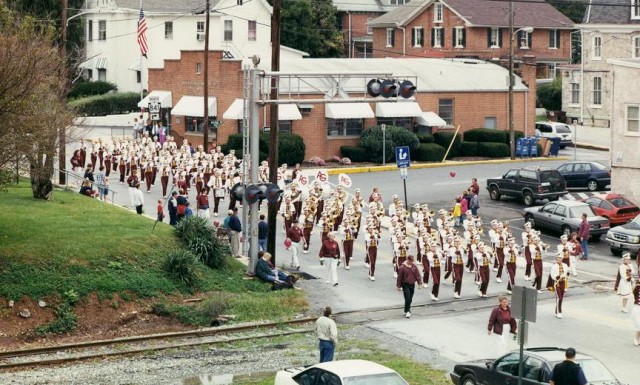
443, 138
493, 150
83, 89
108, 104
425, 138
291, 147
354, 153
428, 152
371, 141
469, 149
486, 135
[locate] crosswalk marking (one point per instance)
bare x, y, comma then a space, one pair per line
574, 196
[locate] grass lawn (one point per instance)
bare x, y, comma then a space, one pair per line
73, 243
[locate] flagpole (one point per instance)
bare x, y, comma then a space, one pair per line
141, 73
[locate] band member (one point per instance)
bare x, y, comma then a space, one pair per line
288, 213
296, 235
434, 256
218, 185
558, 282
511, 253
347, 243
483, 258
122, 168
148, 177
296, 200
566, 249
536, 256
500, 243
307, 228
330, 251
164, 180
456, 253
401, 251
624, 280
107, 164
326, 227
527, 240
371, 245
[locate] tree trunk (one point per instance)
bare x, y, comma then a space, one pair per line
41, 174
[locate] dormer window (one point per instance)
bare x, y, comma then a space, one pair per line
438, 11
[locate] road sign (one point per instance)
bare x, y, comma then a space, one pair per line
403, 173
531, 303
402, 156
154, 107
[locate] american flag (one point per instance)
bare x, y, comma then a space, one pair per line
142, 33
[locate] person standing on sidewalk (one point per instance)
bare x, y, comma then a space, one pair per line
501, 323
138, 199
327, 333
263, 232
474, 203
584, 232
408, 275
568, 372
236, 228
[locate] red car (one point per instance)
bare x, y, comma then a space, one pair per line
618, 209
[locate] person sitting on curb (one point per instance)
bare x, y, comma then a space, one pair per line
87, 190
268, 273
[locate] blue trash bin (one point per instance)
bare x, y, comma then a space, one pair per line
521, 147
533, 146
555, 147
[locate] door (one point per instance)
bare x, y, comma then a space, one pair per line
533, 371
559, 218
505, 370
507, 185
308, 377
567, 171
543, 219
581, 173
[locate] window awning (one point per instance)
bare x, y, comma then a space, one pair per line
194, 106
101, 63
398, 109
431, 119
288, 112
87, 64
348, 111
166, 101
234, 112
135, 66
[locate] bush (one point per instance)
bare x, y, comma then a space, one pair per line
66, 319
493, 150
486, 135
469, 149
291, 147
83, 89
428, 152
443, 138
108, 104
425, 138
354, 153
550, 95
181, 265
371, 141
193, 227
197, 235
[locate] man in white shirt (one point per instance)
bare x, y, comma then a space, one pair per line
327, 333
138, 198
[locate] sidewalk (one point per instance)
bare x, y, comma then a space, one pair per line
596, 138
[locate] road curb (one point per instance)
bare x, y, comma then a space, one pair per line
416, 166
589, 146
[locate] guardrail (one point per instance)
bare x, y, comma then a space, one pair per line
80, 178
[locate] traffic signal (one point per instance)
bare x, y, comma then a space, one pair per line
374, 87
273, 193
237, 191
407, 89
388, 88
252, 193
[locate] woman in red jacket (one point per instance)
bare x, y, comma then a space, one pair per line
501, 323
408, 275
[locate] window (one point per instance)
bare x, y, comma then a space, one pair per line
138, 77
90, 30
198, 68
344, 127
417, 37
554, 38
560, 211
369, 28
549, 208
102, 30
390, 37
308, 377
399, 2
404, 122
597, 91
633, 120
494, 37
437, 37
511, 174
284, 126
528, 175
102, 74
575, 93
88, 74
508, 364
168, 30
445, 110
490, 122
459, 37
196, 124
438, 10
597, 47
635, 47
200, 30
253, 26
524, 39
228, 30
635, 9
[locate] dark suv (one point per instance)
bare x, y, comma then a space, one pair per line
529, 184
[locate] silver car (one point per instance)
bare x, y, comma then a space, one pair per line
565, 217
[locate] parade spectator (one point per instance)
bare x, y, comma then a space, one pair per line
263, 232
88, 173
464, 202
202, 202
296, 236
501, 323
457, 211
172, 205
236, 228
327, 333
408, 275
584, 232
86, 189
138, 199
475, 187
188, 212
159, 211
568, 372
269, 273
375, 195
181, 201
104, 192
474, 203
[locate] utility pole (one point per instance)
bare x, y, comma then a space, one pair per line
62, 133
206, 78
512, 149
273, 125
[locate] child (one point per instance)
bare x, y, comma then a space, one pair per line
104, 190
160, 211
188, 213
457, 211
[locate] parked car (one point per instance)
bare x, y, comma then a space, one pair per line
565, 217
344, 372
536, 369
529, 184
618, 209
556, 130
590, 175
625, 237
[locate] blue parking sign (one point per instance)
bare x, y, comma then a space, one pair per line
402, 156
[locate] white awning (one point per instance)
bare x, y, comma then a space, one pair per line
431, 119
234, 112
288, 112
194, 106
101, 63
87, 64
348, 111
166, 101
398, 109
135, 66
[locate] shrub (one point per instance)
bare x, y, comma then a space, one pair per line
108, 104
181, 265
83, 89
291, 147
197, 235
428, 152
425, 138
371, 141
486, 135
443, 138
355, 153
193, 227
493, 150
550, 95
469, 148
66, 319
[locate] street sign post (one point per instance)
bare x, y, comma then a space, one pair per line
402, 156
524, 305
154, 107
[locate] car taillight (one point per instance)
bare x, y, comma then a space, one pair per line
540, 189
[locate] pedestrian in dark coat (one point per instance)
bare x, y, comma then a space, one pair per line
408, 275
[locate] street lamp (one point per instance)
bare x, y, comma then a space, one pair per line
384, 144
512, 150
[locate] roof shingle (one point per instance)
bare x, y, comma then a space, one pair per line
609, 12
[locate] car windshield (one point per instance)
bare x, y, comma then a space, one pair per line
563, 129
375, 379
594, 370
620, 202
550, 176
576, 211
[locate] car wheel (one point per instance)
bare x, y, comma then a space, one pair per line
616, 252
468, 379
592, 185
529, 219
528, 199
566, 230
595, 238
494, 193
563, 147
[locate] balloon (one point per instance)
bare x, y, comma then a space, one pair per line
452, 174
287, 243
216, 223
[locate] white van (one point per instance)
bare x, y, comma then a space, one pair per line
555, 130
